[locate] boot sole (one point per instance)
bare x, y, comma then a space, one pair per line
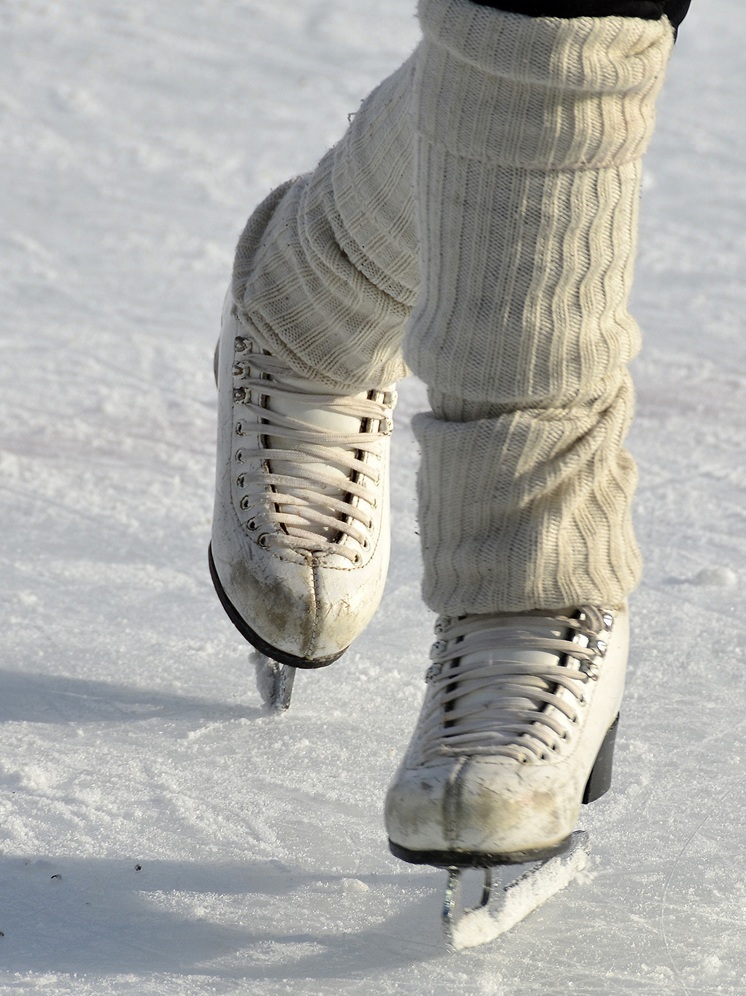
476, 859
280, 656
599, 782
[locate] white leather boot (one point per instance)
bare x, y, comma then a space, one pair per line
516, 731
300, 539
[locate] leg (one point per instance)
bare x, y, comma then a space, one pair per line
325, 277
529, 136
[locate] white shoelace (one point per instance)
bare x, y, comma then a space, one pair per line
510, 685
313, 504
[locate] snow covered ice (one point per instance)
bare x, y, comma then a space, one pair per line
160, 833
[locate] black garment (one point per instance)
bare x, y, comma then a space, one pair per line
649, 10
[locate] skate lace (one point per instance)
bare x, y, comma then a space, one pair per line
488, 699
318, 509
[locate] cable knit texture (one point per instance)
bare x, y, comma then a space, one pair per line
327, 268
529, 134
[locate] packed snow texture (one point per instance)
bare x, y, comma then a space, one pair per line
160, 832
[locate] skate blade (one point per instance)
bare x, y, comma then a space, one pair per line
503, 907
274, 681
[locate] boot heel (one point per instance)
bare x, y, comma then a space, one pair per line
599, 780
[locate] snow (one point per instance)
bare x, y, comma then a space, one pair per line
160, 832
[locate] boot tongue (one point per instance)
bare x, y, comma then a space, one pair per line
300, 406
490, 697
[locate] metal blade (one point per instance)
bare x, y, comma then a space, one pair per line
274, 681
502, 908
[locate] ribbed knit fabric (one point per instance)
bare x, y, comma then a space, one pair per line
529, 134
327, 268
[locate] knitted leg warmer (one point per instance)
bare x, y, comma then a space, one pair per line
529, 135
327, 270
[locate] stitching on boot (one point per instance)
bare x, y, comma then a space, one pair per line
314, 564
452, 800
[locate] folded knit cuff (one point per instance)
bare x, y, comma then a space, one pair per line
545, 93
530, 510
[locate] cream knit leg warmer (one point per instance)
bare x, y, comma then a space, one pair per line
529, 138
327, 268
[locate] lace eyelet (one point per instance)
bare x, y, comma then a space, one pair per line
433, 672
241, 481
244, 503
262, 540
251, 524
240, 344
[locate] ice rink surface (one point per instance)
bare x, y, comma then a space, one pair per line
159, 832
